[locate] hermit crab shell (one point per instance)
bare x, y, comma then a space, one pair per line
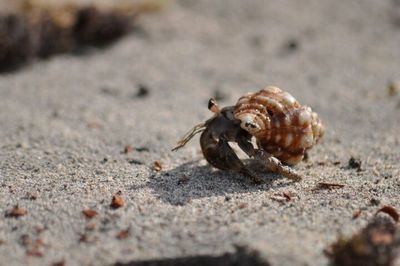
279, 123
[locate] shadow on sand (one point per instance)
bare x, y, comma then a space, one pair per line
241, 257
190, 181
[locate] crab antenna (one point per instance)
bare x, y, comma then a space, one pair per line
197, 129
213, 106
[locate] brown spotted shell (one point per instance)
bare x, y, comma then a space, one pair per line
280, 124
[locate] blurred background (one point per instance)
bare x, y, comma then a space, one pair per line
82, 81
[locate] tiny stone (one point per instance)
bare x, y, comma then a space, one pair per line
16, 212
117, 202
89, 213
128, 148
122, 234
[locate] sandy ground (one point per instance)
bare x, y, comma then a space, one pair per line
64, 124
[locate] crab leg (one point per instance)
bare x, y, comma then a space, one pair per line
270, 162
276, 166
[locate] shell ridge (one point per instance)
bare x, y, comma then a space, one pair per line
281, 125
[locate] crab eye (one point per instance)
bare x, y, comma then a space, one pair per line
213, 106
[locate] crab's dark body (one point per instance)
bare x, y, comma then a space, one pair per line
220, 130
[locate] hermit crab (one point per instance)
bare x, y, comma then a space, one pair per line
282, 129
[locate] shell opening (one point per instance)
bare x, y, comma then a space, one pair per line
249, 122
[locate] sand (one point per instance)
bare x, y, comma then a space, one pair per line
64, 123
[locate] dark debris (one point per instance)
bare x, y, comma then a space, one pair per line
324, 185
134, 161
59, 263
242, 257
142, 92
376, 244
292, 45
16, 46
40, 32
374, 201
16, 212
355, 163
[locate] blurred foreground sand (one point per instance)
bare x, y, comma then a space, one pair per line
64, 124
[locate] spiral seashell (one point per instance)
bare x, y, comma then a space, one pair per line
279, 123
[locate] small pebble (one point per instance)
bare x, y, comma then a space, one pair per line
89, 213
157, 166
16, 212
117, 202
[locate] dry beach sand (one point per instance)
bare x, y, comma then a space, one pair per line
64, 123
